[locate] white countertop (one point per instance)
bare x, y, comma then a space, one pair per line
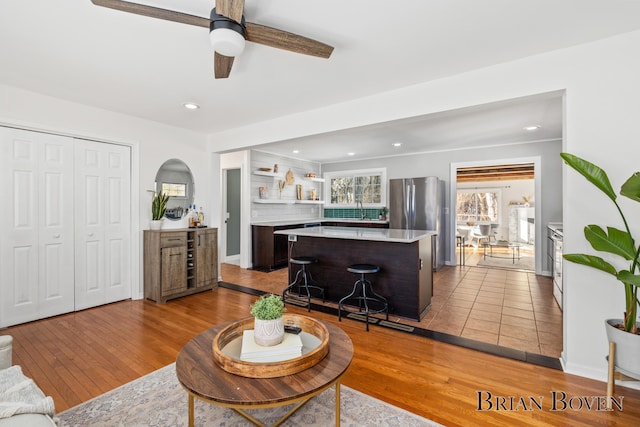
316, 220
361, 233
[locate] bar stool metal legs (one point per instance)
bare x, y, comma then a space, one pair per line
363, 293
303, 286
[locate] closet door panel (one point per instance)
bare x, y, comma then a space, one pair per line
36, 239
103, 176
55, 231
118, 224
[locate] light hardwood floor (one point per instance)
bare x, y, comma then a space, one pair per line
78, 356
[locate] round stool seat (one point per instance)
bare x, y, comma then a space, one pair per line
363, 268
303, 260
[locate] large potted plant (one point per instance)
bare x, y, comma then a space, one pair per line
268, 328
619, 242
158, 209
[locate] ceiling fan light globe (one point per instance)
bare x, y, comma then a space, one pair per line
227, 42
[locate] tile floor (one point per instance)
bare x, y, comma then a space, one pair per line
512, 309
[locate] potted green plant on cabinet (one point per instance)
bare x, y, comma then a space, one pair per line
619, 242
268, 328
158, 209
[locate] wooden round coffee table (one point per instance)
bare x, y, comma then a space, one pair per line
204, 379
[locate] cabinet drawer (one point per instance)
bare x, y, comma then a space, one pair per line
169, 240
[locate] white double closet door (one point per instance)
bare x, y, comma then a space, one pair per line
65, 228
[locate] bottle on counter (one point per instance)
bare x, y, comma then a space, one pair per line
193, 216
201, 217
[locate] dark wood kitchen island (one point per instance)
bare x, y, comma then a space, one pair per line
404, 258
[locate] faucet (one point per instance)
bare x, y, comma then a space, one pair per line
362, 212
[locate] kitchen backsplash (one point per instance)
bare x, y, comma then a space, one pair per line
345, 213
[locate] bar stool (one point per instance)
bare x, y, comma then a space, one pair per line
303, 282
364, 293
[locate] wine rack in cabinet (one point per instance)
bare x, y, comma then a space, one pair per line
179, 262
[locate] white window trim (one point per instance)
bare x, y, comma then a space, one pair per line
356, 172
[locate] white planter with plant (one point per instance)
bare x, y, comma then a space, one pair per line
158, 209
620, 242
268, 328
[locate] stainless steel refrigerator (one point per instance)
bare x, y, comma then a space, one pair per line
417, 204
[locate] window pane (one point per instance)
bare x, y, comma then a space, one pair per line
174, 190
368, 189
477, 206
349, 187
342, 190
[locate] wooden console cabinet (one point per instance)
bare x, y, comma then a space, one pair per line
179, 262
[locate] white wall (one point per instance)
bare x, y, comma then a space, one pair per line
601, 114
152, 144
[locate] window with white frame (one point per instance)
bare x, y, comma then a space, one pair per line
174, 189
345, 188
478, 205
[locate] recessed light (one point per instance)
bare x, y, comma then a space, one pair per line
190, 106
397, 144
351, 154
531, 128
296, 151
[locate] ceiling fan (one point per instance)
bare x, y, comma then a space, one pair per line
228, 31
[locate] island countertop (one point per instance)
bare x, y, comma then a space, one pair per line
276, 223
361, 233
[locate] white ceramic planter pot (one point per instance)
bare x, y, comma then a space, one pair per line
627, 347
155, 224
268, 332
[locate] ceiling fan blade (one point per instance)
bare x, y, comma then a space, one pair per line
288, 41
222, 65
153, 12
232, 9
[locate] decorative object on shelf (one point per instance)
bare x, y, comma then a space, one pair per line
289, 177
275, 168
264, 192
201, 217
621, 243
383, 213
310, 175
314, 196
158, 209
281, 185
268, 328
265, 170
299, 192
194, 218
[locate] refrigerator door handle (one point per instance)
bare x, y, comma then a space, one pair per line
411, 205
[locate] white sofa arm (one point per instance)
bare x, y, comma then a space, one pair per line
6, 347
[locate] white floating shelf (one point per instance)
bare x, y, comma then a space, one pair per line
263, 173
274, 201
311, 202
314, 179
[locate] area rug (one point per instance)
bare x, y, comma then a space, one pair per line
157, 399
524, 263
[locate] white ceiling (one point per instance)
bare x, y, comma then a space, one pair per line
148, 68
